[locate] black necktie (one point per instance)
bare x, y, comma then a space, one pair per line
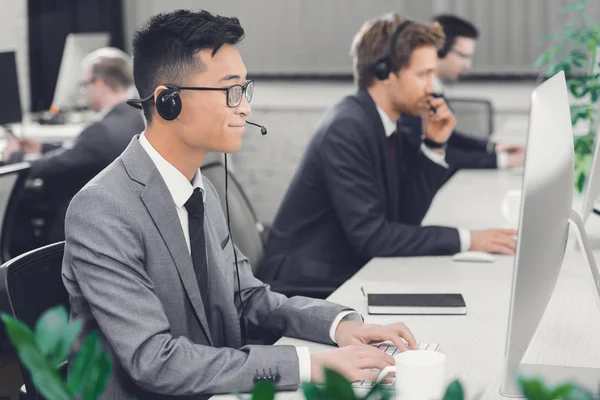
195, 209
392, 141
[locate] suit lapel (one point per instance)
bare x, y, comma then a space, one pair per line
158, 202
387, 167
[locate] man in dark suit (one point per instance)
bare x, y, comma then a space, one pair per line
148, 257
364, 184
66, 169
455, 57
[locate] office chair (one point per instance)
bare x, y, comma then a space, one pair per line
12, 183
474, 117
32, 284
248, 233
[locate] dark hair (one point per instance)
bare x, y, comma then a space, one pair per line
454, 27
164, 50
372, 43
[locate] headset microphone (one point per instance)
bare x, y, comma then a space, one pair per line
263, 130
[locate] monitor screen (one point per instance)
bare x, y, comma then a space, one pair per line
10, 101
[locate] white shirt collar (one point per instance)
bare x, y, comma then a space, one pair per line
438, 85
389, 126
178, 185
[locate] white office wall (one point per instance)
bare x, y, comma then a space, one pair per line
14, 37
314, 36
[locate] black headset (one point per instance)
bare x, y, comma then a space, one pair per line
383, 68
448, 42
168, 102
168, 105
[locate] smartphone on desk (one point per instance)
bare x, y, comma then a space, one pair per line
416, 303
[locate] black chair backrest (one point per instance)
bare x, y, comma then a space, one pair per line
32, 282
474, 117
245, 227
12, 183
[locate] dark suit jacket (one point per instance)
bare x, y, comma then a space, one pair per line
66, 170
347, 203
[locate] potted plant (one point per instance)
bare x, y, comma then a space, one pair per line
575, 50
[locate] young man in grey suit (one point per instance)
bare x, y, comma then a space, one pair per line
148, 258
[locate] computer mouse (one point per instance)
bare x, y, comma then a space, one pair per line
473, 256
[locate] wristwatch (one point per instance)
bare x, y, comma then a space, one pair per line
433, 145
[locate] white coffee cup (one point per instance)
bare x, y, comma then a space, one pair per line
511, 207
420, 375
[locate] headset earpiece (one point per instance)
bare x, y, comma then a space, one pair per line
383, 68
168, 103
443, 52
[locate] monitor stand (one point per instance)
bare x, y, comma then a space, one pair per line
553, 375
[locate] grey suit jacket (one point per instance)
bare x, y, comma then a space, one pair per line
129, 275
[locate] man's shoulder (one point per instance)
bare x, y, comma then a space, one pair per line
113, 181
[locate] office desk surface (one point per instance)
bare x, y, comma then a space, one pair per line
474, 343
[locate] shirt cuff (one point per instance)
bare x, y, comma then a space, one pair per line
491, 147
437, 158
465, 239
343, 316
502, 160
304, 363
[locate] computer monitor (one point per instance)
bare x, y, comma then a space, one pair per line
546, 213
10, 101
77, 45
592, 185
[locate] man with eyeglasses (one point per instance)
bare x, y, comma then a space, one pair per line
148, 258
456, 57
106, 78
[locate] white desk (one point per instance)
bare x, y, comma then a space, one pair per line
474, 343
49, 133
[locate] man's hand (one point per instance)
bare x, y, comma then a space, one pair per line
31, 146
351, 332
439, 126
516, 159
353, 362
12, 145
509, 148
494, 241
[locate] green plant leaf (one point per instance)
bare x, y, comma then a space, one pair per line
337, 386
534, 389
99, 377
49, 329
83, 363
44, 376
576, 6
379, 392
263, 390
454, 391
55, 335
311, 391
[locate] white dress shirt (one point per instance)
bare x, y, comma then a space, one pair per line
181, 190
439, 158
501, 156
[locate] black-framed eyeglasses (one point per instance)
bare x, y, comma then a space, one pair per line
462, 55
234, 93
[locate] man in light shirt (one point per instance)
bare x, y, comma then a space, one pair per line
456, 57
107, 76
